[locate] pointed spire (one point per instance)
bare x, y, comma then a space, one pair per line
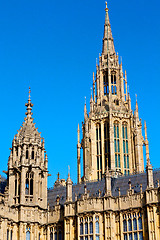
85, 110
146, 144
29, 105
136, 115
108, 45
78, 131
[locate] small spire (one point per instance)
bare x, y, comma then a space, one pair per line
108, 45
146, 144
29, 105
68, 171
85, 110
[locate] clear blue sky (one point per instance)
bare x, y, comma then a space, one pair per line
52, 46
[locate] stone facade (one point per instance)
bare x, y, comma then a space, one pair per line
114, 199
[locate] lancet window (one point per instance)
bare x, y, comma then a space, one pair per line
125, 148
28, 234
132, 226
86, 228
17, 187
113, 83
105, 82
55, 234
99, 151
32, 153
117, 145
29, 183
107, 145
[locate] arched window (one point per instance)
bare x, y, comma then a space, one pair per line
124, 226
125, 148
29, 183
28, 235
117, 145
132, 231
129, 225
135, 224
86, 228
99, 151
91, 227
39, 236
140, 223
107, 146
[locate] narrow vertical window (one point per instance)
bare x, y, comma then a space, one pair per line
32, 153
55, 236
97, 227
28, 235
60, 235
51, 236
29, 183
117, 145
107, 146
105, 82
11, 234
125, 148
27, 154
99, 151
113, 83
7, 234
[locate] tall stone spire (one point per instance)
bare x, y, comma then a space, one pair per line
108, 44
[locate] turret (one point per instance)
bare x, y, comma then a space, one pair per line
27, 168
108, 178
69, 184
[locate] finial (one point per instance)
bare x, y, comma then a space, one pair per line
85, 100
58, 176
106, 6
68, 171
29, 93
136, 97
29, 105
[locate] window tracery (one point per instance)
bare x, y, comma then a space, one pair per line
125, 148
117, 145
99, 151
130, 229
86, 228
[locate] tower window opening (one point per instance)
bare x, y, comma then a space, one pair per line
107, 146
105, 82
113, 84
99, 152
32, 153
29, 183
125, 148
117, 145
28, 234
27, 154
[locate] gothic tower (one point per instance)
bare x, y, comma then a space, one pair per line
112, 133
27, 166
